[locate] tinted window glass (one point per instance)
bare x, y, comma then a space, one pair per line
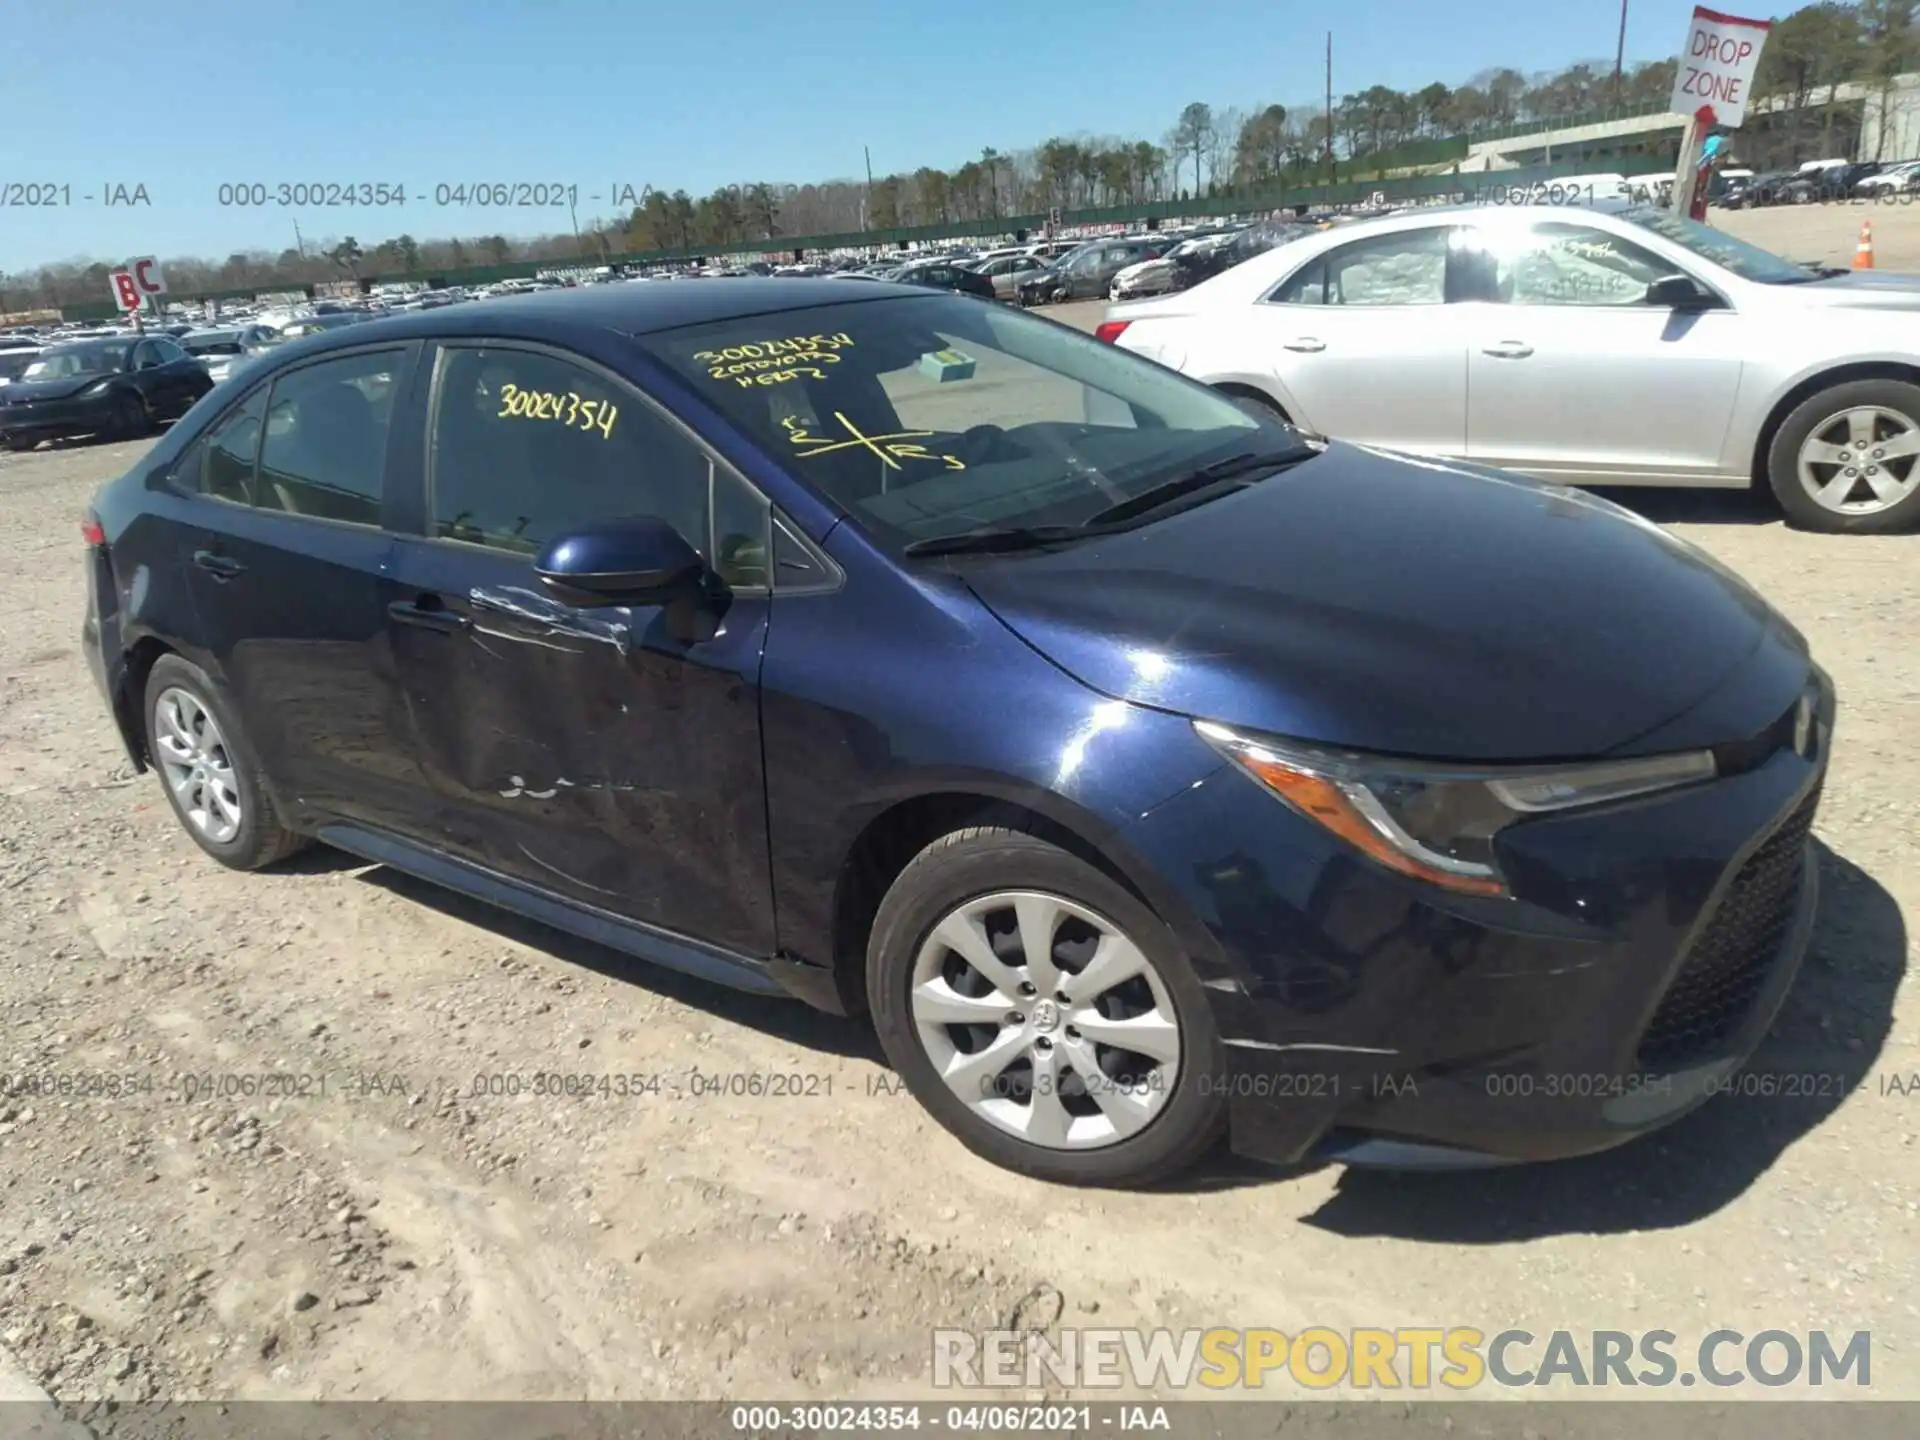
168, 351
740, 532
526, 446
145, 355
931, 414
326, 440
220, 462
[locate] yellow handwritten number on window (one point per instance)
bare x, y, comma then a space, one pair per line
569, 409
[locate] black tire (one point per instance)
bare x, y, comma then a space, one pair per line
980, 861
20, 444
1257, 406
261, 839
1816, 413
129, 419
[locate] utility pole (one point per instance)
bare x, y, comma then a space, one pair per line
1620, 58
1329, 107
866, 217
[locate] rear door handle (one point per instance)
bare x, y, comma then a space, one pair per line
221, 567
1509, 350
427, 616
1306, 345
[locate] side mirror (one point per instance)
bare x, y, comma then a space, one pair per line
641, 560
1679, 292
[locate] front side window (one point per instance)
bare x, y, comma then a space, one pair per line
527, 446
220, 463
1403, 267
1553, 263
326, 438
927, 416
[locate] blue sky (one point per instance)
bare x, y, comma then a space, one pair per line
183, 97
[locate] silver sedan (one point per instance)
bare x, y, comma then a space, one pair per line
1596, 345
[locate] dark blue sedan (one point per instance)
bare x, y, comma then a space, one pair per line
1148, 770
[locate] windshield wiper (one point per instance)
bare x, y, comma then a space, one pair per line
984, 539
1167, 491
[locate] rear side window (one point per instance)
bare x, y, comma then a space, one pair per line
1405, 267
325, 449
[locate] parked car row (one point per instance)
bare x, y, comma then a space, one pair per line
1817, 181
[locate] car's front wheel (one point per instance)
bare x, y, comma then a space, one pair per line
212, 780
129, 417
1847, 460
1043, 1014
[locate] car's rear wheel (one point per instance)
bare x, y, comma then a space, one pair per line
1043, 1014
21, 442
1847, 460
209, 771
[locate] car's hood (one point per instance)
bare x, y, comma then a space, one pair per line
22, 391
1411, 607
1144, 267
1859, 289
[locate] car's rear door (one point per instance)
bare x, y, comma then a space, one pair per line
286, 575
1365, 342
595, 753
1573, 375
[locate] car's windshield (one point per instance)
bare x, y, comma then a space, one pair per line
932, 416
1747, 261
69, 361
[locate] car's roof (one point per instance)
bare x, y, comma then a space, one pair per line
625, 309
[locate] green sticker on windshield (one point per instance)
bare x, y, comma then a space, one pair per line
946, 365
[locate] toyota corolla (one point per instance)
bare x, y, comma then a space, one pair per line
1150, 771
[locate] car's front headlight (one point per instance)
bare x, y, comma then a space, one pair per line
1437, 822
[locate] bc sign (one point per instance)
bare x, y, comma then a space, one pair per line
146, 274
126, 290
1716, 67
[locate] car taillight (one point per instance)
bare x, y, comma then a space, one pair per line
91, 531
1110, 330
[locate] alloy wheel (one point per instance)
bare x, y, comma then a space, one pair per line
1861, 461
197, 765
1046, 1020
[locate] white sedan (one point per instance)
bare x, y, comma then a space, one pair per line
1604, 345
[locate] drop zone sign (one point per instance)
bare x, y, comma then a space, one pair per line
1716, 67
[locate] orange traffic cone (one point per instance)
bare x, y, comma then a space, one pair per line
1863, 252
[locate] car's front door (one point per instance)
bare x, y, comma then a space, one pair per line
598, 753
1365, 344
285, 566
1573, 375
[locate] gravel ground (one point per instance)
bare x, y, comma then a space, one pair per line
399, 1237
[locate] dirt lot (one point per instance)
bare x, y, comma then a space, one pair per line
398, 1236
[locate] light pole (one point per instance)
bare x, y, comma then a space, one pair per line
1620, 57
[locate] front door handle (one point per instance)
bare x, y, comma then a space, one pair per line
427, 616
1306, 345
1509, 350
221, 567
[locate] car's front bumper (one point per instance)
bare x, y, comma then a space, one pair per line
54, 419
1371, 1019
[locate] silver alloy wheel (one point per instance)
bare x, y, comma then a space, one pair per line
197, 765
1046, 1020
1861, 461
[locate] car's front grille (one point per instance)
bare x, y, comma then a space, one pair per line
1728, 963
